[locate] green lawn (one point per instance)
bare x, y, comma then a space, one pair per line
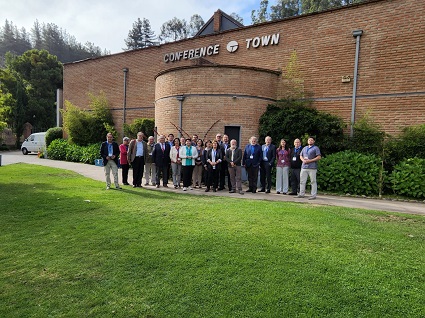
69, 248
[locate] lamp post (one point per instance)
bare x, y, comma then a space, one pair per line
357, 34
125, 70
180, 98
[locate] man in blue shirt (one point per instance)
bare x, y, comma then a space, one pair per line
309, 156
251, 161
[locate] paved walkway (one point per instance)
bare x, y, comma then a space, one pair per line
97, 173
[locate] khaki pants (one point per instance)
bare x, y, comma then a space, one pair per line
303, 181
111, 165
235, 177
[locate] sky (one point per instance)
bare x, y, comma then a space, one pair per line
106, 23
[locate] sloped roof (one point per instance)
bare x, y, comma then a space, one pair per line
219, 22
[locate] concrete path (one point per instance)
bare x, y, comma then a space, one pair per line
97, 173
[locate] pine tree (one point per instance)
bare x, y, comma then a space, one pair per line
140, 36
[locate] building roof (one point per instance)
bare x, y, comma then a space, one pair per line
219, 22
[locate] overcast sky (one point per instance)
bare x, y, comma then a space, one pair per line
106, 22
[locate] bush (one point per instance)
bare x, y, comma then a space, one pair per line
145, 125
57, 149
368, 138
291, 119
60, 149
52, 134
349, 172
410, 143
408, 178
87, 127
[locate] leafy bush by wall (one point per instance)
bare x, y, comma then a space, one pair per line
87, 127
60, 149
145, 125
52, 134
407, 178
349, 172
291, 119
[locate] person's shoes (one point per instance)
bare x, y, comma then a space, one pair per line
249, 190
268, 191
232, 191
108, 187
241, 192
277, 192
291, 193
207, 190
219, 189
134, 186
126, 183
157, 185
118, 188
312, 197
300, 196
190, 188
176, 187
254, 191
165, 185
262, 190
184, 188
146, 184
214, 190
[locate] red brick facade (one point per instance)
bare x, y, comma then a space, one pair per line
236, 87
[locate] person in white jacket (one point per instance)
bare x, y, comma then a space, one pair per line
176, 163
188, 155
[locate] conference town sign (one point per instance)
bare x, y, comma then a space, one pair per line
232, 46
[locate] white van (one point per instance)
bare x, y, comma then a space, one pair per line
34, 143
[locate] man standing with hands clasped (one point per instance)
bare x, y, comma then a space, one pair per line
309, 156
109, 152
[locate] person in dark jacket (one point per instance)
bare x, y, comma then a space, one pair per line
213, 158
161, 159
251, 161
109, 151
296, 163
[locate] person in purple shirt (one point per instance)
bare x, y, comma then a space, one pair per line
309, 156
282, 167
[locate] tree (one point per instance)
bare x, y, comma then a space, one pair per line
140, 36
237, 17
173, 30
260, 15
13, 40
195, 24
284, 9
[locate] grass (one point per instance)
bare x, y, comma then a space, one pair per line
69, 248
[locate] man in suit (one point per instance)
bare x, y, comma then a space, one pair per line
223, 172
267, 163
109, 151
161, 159
137, 152
234, 159
251, 161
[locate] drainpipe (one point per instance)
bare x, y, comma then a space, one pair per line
180, 98
357, 34
125, 70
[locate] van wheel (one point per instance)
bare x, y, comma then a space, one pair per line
24, 151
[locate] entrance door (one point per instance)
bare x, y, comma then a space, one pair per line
234, 132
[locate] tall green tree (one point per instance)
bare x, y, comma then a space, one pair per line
173, 30
141, 35
195, 24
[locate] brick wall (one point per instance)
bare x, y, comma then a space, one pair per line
391, 73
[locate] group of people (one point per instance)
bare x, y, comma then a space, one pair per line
193, 164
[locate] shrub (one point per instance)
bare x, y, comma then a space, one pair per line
291, 119
57, 149
52, 134
60, 149
349, 172
368, 138
408, 179
410, 143
85, 127
145, 125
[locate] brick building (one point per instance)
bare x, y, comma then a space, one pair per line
227, 78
